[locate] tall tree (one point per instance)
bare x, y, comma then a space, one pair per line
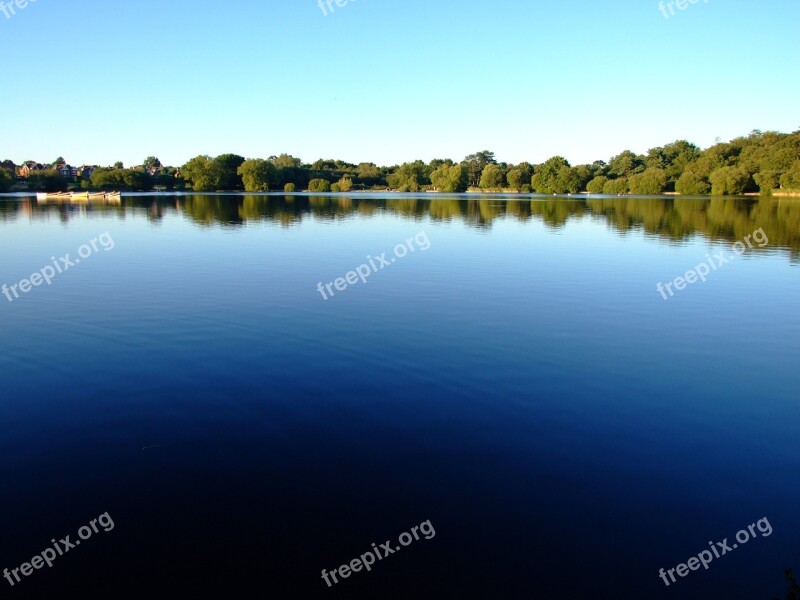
596, 185
729, 181
227, 166
201, 173
286, 161
450, 179
475, 164
652, 182
258, 175
409, 177
151, 162
492, 177
549, 177
626, 164
7, 179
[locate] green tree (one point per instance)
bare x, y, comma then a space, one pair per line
585, 174
291, 174
324, 165
289, 187
492, 177
116, 179
450, 179
546, 178
729, 181
369, 174
47, 181
568, 181
138, 181
767, 181
791, 179
202, 174
227, 171
519, 175
165, 181
626, 164
692, 183
258, 175
652, 182
107, 179
345, 184
596, 185
151, 162
475, 164
617, 186
319, 185
673, 159
286, 161
409, 177
7, 179
514, 178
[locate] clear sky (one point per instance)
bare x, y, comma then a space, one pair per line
389, 81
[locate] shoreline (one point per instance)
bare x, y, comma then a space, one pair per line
427, 193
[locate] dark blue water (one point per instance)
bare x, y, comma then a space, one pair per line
520, 384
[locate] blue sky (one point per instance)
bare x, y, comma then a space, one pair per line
390, 80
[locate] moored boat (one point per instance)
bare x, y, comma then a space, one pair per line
79, 196
53, 196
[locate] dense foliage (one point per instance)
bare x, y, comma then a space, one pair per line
760, 162
7, 179
47, 181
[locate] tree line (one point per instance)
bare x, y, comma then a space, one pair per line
761, 162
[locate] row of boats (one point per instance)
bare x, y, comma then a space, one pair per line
79, 196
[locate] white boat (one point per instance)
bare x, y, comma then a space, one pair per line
79, 196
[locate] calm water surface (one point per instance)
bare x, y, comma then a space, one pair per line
521, 384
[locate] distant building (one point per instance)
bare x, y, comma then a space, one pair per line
85, 172
67, 171
29, 167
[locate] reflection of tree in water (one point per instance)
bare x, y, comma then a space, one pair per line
728, 219
410, 207
286, 211
10, 211
446, 209
156, 212
208, 210
557, 213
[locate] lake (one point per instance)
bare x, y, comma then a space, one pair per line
256, 388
